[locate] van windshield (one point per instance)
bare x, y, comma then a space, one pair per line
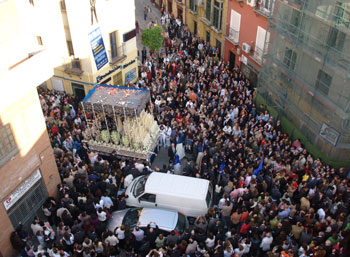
209, 195
140, 186
132, 217
181, 223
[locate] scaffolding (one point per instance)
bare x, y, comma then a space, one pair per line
305, 73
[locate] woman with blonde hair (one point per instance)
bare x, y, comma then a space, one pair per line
228, 249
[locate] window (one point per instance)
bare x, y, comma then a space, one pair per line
323, 82
290, 58
265, 6
217, 17
336, 39
39, 40
209, 195
113, 42
195, 28
259, 43
8, 146
208, 36
148, 198
193, 6
208, 10
235, 26
294, 20
342, 14
118, 79
29, 205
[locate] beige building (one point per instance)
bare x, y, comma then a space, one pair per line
207, 20
97, 44
28, 172
175, 7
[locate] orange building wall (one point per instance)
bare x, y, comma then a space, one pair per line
250, 20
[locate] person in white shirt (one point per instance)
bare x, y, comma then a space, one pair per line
266, 242
163, 135
102, 215
111, 239
210, 241
243, 248
227, 129
138, 233
120, 232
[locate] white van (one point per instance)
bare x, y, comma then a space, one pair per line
190, 196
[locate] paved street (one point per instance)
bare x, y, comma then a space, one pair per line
154, 15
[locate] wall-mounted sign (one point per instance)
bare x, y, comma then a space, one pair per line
99, 78
329, 134
22, 189
98, 48
130, 75
129, 35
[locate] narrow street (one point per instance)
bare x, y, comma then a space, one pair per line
154, 15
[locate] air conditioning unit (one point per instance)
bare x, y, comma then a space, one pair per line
252, 2
246, 47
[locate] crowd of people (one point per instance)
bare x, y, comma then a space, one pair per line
272, 198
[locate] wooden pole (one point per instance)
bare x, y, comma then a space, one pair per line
115, 118
104, 114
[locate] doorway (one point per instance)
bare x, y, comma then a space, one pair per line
78, 91
208, 36
179, 14
218, 46
195, 28
232, 60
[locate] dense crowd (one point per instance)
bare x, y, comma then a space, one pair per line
272, 198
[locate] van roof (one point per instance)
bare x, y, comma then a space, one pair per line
177, 185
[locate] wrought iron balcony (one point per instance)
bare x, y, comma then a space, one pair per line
232, 35
257, 54
117, 54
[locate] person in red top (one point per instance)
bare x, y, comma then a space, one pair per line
244, 215
54, 129
245, 228
178, 117
149, 75
173, 68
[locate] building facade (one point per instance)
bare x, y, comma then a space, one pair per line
207, 20
305, 73
245, 35
99, 45
175, 7
28, 171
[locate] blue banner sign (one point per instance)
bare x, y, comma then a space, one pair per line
130, 76
98, 48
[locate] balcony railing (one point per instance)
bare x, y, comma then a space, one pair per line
232, 35
117, 55
264, 8
73, 66
257, 54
